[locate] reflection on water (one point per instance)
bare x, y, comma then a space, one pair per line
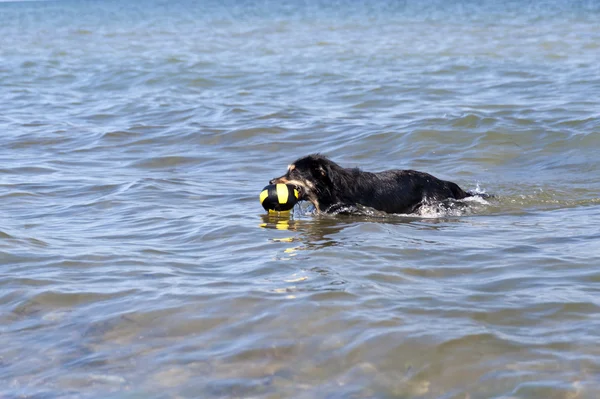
311, 234
279, 221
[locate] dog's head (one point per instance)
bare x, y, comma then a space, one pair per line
311, 175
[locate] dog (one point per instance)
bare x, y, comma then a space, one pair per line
330, 187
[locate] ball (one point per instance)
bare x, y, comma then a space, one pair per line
278, 197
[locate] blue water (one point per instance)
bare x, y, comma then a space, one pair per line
136, 260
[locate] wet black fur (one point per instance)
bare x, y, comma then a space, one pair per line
392, 191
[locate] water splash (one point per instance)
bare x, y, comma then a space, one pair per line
452, 207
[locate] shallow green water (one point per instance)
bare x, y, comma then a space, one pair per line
136, 261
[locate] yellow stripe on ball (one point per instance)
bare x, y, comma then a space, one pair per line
282, 193
263, 195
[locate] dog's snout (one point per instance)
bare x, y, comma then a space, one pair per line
278, 180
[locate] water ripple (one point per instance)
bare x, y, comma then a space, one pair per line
134, 254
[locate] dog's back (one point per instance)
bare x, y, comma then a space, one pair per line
398, 191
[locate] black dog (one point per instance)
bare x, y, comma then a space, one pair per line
329, 186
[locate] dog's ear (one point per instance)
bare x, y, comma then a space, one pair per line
323, 170
325, 173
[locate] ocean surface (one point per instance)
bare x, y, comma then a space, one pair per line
137, 262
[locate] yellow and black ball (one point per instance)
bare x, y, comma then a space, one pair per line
278, 197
